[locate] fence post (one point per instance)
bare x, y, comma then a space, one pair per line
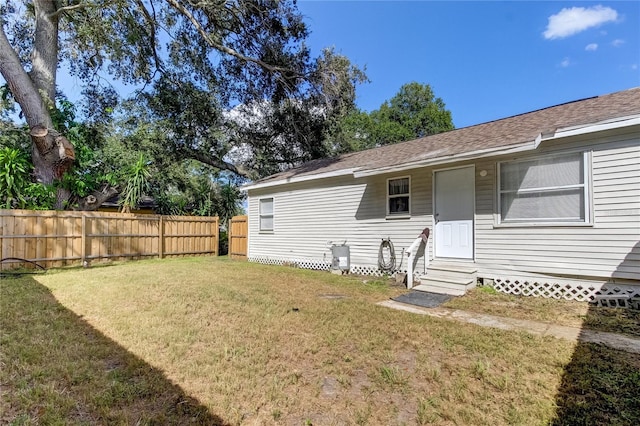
83, 252
161, 237
216, 241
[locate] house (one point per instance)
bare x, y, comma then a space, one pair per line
147, 205
545, 203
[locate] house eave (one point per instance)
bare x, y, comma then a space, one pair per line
613, 124
295, 179
489, 152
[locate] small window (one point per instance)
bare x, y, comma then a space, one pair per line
399, 196
266, 214
544, 190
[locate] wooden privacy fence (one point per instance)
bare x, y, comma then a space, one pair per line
59, 238
238, 232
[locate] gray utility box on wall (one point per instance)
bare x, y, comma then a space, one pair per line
340, 258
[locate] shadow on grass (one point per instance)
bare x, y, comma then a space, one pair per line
55, 368
600, 386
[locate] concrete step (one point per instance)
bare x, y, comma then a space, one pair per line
463, 268
441, 288
448, 278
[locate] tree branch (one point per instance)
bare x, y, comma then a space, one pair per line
97, 198
21, 85
220, 47
69, 8
215, 162
152, 29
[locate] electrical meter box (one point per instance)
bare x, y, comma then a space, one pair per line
340, 258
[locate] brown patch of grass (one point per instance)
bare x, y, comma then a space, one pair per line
259, 344
564, 312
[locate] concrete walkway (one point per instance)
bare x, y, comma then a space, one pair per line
613, 340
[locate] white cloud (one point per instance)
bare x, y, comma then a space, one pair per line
565, 63
570, 21
591, 47
617, 42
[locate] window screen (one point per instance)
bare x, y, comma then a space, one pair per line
550, 189
266, 214
399, 194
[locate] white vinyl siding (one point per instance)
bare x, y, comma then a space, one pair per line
544, 189
311, 215
399, 196
266, 214
609, 248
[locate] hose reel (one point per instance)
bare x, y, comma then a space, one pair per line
387, 256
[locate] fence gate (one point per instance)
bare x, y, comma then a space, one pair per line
238, 232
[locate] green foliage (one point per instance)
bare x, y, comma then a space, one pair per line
416, 111
487, 289
412, 113
201, 196
16, 189
90, 171
229, 202
7, 104
137, 184
14, 175
63, 116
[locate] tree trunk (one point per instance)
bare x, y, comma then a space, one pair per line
52, 153
95, 200
44, 58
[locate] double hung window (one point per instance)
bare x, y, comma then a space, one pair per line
544, 190
399, 196
266, 214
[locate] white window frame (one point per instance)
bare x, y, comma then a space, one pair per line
266, 215
586, 188
397, 215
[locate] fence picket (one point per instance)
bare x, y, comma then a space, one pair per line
58, 238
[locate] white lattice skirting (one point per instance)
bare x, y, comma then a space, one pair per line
317, 265
298, 263
604, 294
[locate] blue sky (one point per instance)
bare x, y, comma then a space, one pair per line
486, 60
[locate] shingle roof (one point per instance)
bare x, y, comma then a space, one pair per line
505, 132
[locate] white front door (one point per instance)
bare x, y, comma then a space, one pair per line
453, 212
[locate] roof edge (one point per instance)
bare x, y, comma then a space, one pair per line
521, 147
616, 123
294, 179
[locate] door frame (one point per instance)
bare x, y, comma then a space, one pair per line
473, 218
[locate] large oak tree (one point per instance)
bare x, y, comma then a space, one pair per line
190, 61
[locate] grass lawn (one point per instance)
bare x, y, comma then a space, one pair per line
211, 341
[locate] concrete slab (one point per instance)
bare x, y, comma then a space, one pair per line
613, 340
